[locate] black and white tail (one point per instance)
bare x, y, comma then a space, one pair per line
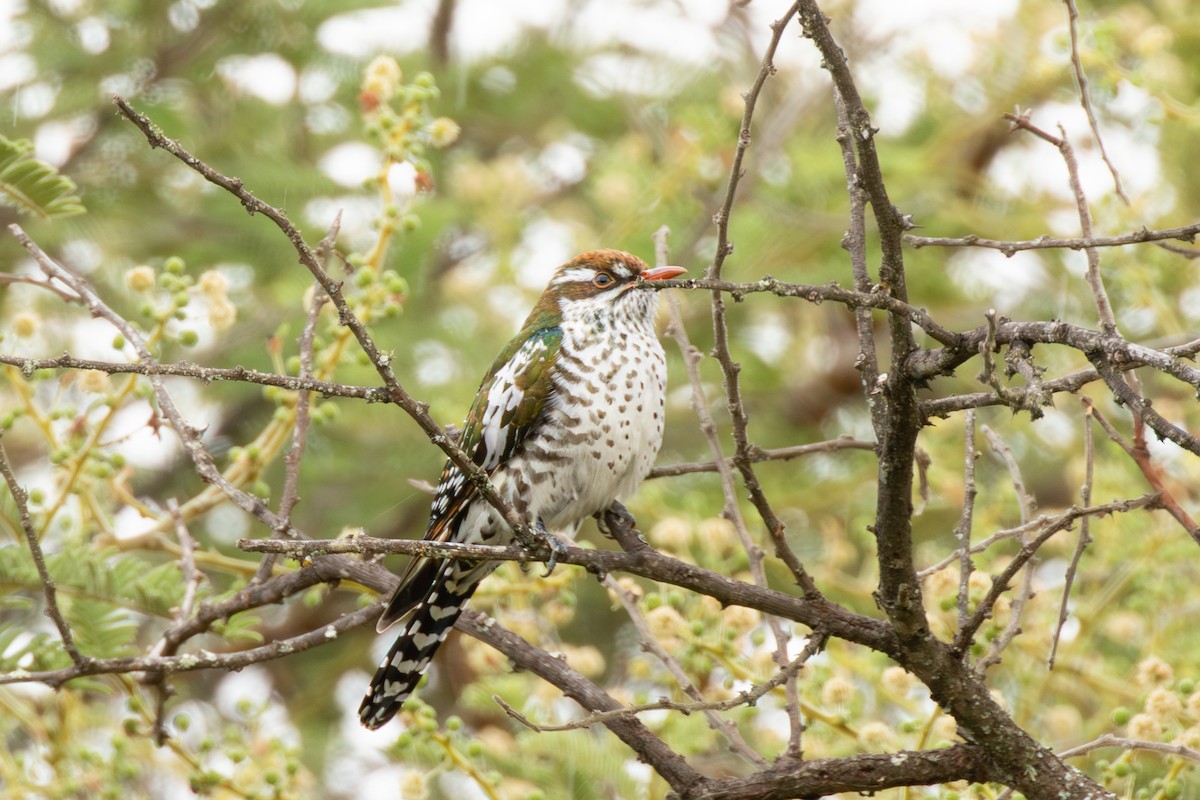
427, 622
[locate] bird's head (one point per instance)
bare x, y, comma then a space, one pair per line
598, 285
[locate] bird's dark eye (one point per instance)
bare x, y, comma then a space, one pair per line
602, 280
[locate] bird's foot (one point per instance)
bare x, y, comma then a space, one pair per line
557, 548
619, 516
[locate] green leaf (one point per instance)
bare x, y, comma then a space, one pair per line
33, 186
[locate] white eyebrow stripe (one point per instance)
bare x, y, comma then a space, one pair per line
622, 270
576, 275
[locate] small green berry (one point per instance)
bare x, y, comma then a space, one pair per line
174, 265
1121, 716
189, 338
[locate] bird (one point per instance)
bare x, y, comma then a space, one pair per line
567, 421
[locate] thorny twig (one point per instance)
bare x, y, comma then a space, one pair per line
1085, 528
1138, 451
1085, 98
1028, 505
1000, 583
166, 645
49, 588
854, 241
748, 697
962, 533
382, 362
1185, 233
372, 394
1040, 523
727, 728
844, 442
732, 511
1108, 321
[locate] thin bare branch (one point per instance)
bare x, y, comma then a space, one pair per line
844, 442
1185, 233
49, 588
1109, 740
1085, 528
381, 361
1108, 321
962, 533
1043, 522
748, 697
1085, 98
372, 394
727, 728
721, 218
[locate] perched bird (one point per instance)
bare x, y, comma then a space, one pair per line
568, 419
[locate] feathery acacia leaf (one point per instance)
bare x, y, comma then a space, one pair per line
32, 186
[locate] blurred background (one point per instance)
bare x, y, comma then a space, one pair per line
491, 143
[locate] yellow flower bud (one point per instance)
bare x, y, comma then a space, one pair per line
1144, 726
214, 284
877, 736
1163, 704
444, 132
1153, 671
94, 381
26, 324
140, 279
837, 692
221, 313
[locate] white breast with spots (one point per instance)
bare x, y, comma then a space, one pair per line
606, 425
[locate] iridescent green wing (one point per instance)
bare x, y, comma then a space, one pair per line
508, 406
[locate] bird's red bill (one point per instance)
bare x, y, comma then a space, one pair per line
662, 273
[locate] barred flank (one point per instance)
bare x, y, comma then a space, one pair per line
405, 663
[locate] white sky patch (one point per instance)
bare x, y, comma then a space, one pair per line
357, 213
767, 335
1032, 166
990, 275
646, 26
36, 100
1057, 429
435, 362
545, 244
15, 68
508, 302
941, 30
402, 179
563, 163
614, 73
55, 138
317, 85
351, 163
83, 255
93, 35
93, 338
266, 76
227, 523
482, 27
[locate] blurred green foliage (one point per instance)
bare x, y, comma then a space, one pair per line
551, 160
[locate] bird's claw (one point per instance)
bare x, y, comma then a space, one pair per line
557, 548
620, 513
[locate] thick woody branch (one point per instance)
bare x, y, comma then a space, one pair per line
642, 561
866, 774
